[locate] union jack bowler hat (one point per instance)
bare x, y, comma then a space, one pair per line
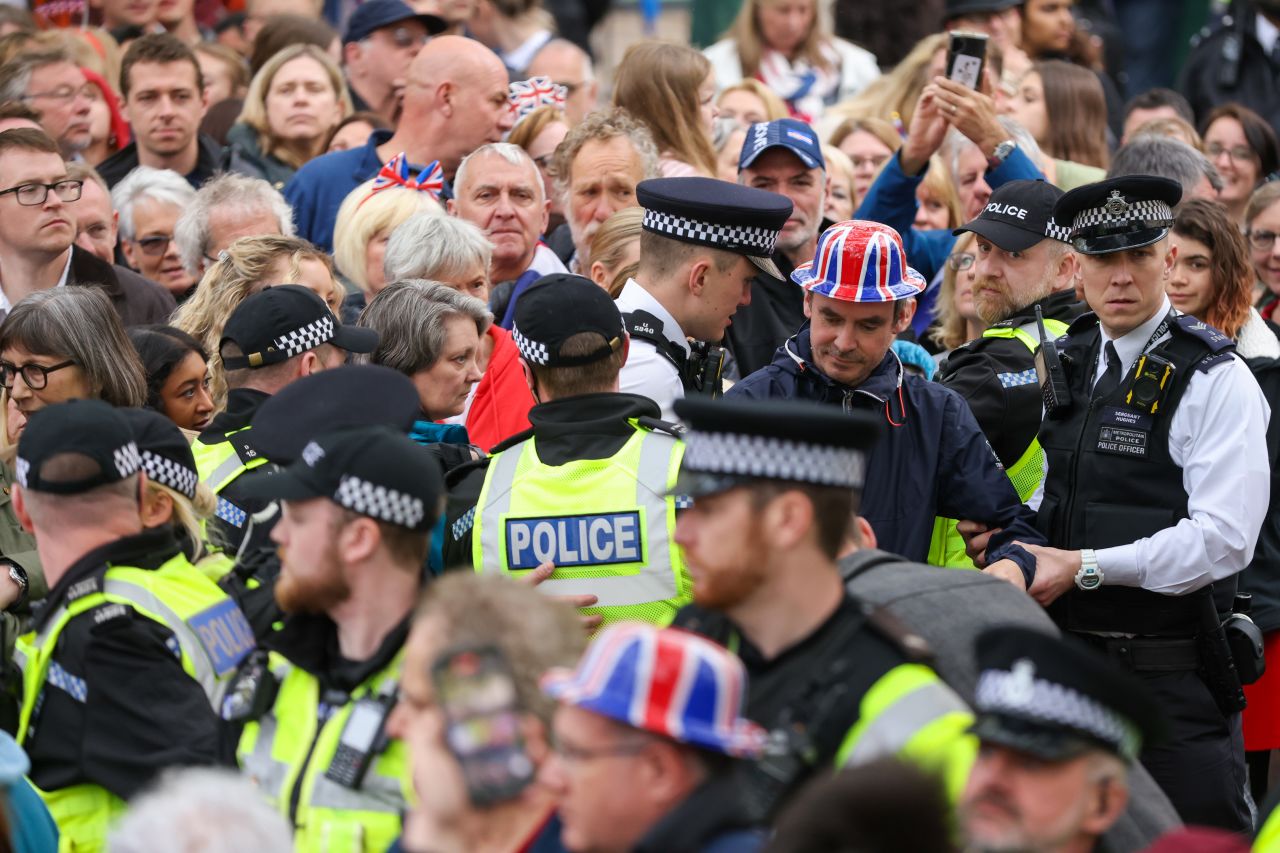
860, 261
665, 681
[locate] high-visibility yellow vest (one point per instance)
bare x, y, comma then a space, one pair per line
607, 524
213, 638
218, 464
288, 751
947, 546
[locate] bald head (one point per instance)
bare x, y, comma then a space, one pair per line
453, 58
570, 66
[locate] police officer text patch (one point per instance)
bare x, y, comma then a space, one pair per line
1124, 432
575, 540
225, 634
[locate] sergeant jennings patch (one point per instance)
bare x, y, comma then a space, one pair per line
1124, 432
225, 635
578, 540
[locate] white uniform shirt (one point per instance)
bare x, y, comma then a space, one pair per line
648, 372
1218, 439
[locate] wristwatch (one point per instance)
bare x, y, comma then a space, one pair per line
1002, 152
19, 577
1090, 576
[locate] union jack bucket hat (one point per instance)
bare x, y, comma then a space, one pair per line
860, 261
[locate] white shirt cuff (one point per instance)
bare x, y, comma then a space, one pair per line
1119, 565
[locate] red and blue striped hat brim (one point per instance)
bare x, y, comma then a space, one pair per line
860, 262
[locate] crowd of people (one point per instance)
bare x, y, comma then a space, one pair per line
413, 442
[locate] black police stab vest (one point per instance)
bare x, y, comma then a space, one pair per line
1111, 480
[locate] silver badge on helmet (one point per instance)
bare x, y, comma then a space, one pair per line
1116, 205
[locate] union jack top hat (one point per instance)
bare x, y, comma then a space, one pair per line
665, 681
860, 261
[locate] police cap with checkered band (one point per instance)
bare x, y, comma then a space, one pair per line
732, 443
373, 471
1018, 216
707, 212
558, 307
70, 448
1119, 213
285, 320
1055, 698
165, 452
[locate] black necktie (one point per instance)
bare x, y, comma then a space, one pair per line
1110, 379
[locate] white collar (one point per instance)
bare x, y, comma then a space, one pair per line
1131, 345
519, 58
6, 306
635, 297
1266, 32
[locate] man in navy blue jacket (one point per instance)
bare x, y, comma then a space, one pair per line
935, 460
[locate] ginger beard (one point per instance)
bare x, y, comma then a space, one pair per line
314, 590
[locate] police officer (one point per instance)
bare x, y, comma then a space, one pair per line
125, 653
357, 510
934, 460
1023, 262
1157, 484
702, 242
1060, 727
774, 489
586, 487
273, 338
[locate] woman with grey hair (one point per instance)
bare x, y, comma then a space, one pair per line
467, 371
149, 202
446, 249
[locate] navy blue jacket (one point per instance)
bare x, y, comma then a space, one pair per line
934, 460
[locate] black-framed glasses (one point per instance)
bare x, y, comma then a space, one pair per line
31, 195
1262, 240
36, 376
1238, 153
155, 245
960, 261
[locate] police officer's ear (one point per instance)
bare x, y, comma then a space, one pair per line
155, 507
787, 520
20, 508
698, 275
1110, 798
626, 348
529, 380
359, 540
1171, 255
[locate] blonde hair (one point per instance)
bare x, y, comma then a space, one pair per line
745, 32
774, 108
612, 239
899, 90
1172, 127
531, 126
951, 330
877, 127
254, 111
937, 181
657, 82
189, 515
364, 215
240, 271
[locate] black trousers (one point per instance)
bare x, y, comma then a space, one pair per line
1201, 764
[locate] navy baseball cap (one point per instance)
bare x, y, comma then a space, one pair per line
72, 447
376, 14
789, 133
1018, 216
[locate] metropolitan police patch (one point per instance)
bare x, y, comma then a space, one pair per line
576, 540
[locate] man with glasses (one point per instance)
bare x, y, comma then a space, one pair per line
569, 66
38, 230
382, 38
149, 202
52, 85
1023, 264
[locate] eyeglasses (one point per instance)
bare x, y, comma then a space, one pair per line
1261, 240
62, 94
403, 37
1238, 153
35, 375
31, 195
875, 161
155, 245
960, 261
578, 754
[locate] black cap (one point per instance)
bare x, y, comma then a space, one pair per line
1055, 698
1118, 213
956, 8
376, 14
1018, 216
724, 216
91, 430
559, 306
354, 395
285, 320
165, 452
374, 471
731, 442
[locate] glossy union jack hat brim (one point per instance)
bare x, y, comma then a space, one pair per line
665, 681
860, 261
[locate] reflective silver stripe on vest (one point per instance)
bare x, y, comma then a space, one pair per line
267, 773
377, 793
205, 674
225, 469
656, 581
894, 728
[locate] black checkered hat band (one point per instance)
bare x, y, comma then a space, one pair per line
380, 502
532, 351
307, 337
169, 473
1004, 692
128, 460
743, 239
1151, 210
1054, 231
774, 459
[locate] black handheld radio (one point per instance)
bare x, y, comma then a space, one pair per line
1049, 370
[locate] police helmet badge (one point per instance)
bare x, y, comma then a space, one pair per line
1116, 206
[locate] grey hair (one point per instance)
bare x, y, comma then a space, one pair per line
410, 316
144, 182
437, 248
15, 76
201, 810
1163, 156
78, 323
955, 144
513, 154
227, 190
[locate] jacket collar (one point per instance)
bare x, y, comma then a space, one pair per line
88, 269
713, 809
242, 405
310, 641
1056, 306
796, 357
